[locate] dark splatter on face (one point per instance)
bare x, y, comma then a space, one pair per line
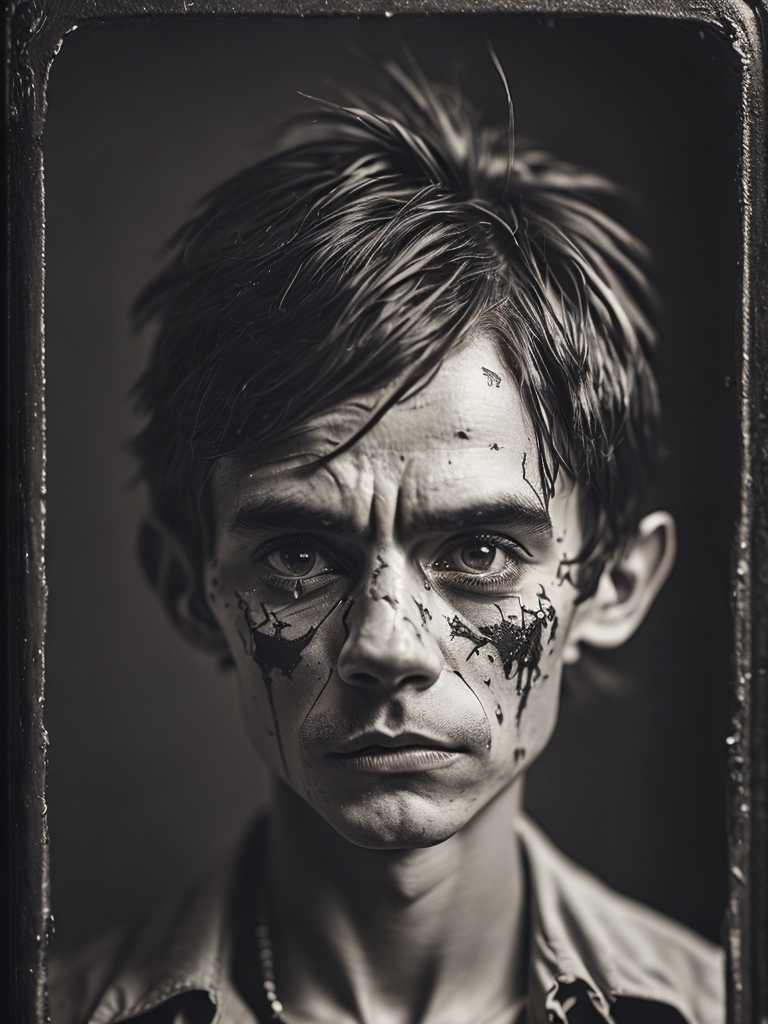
425, 613
494, 447
519, 754
499, 714
377, 571
517, 645
273, 652
564, 572
462, 434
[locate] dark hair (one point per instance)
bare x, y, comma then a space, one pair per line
359, 255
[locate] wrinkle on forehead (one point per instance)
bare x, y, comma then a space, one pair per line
454, 439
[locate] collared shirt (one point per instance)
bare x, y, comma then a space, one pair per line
595, 956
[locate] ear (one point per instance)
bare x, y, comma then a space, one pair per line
170, 573
627, 588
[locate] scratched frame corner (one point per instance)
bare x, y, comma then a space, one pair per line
34, 30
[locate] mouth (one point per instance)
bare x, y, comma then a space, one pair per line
407, 752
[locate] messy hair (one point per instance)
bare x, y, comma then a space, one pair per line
360, 254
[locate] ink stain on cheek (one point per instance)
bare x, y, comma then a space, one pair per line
270, 649
425, 613
273, 652
462, 434
519, 754
519, 646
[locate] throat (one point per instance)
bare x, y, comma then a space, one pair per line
431, 929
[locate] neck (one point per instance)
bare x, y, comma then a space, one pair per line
434, 935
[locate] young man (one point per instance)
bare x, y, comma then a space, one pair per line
399, 415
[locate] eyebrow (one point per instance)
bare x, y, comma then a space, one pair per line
512, 513
286, 512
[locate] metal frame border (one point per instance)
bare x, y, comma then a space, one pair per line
34, 30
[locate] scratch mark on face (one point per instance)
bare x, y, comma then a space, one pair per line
538, 496
425, 613
477, 698
491, 377
517, 645
317, 698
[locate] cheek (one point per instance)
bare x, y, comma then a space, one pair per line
512, 657
284, 653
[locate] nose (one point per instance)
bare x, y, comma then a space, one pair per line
385, 648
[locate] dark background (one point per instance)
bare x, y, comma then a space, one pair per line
151, 774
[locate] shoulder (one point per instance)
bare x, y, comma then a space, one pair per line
173, 956
622, 949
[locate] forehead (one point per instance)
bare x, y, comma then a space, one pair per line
463, 436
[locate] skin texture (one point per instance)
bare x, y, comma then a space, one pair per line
411, 585
398, 616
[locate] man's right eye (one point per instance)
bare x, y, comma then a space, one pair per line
298, 565
297, 559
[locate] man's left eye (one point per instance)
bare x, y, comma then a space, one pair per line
479, 563
476, 556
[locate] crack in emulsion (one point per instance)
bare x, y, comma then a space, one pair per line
517, 645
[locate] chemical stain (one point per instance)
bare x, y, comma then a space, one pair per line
492, 378
517, 645
272, 651
425, 613
377, 571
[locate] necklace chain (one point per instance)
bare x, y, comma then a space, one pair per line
267, 968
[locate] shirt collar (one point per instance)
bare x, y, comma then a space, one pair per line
587, 945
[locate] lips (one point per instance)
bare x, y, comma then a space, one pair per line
379, 752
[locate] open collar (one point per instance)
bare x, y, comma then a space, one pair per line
584, 939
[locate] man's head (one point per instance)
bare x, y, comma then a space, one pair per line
400, 409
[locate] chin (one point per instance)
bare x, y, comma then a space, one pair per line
396, 823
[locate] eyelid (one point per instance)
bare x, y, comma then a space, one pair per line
498, 539
284, 540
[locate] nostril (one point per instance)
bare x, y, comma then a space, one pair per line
419, 682
362, 679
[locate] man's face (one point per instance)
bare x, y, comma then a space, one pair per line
399, 615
